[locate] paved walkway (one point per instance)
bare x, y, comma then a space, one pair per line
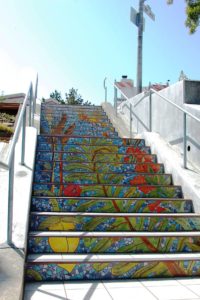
160, 289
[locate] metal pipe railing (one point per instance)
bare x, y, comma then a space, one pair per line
9, 165
150, 93
116, 89
185, 114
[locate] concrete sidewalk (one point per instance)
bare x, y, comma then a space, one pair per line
11, 273
158, 289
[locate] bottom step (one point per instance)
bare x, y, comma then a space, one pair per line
97, 267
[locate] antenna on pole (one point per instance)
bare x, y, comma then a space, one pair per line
138, 19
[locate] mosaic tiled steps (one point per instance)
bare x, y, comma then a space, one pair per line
99, 157
71, 107
111, 205
106, 190
77, 117
71, 121
157, 222
72, 124
79, 125
62, 110
90, 141
101, 167
79, 133
113, 242
104, 178
93, 149
76, 123
102, 207
91, 267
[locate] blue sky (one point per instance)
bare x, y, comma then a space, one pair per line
76, 43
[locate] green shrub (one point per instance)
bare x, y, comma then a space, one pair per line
4, 117
5, 130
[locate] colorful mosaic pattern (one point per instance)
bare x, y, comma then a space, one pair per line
151, 168
93, 149
76, 123
111, 270
90, 117
82, 132
119, 244
81, 125
104, 178
70, 112
83, 169
90, 141
99, 157
85, 222
116, 191
112, 205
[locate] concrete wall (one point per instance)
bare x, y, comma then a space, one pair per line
22, 182
167, 120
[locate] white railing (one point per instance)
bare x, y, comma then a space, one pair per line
30, 102
149, 93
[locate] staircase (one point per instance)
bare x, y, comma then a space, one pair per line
102, 207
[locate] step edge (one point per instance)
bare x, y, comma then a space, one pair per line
110, 198
93, 258
177, 215
113, 234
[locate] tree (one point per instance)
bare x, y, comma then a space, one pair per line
193, 14
57, 95
73, 98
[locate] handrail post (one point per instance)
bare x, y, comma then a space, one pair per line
115, 97
30, 104
10, 199
33, 105
131, 119
35, 94
33, 110
150, 110
23, 138
105, 88
185, 140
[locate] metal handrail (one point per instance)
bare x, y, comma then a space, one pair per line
175, 105
21, 124
116, 88
185, 114
149, 93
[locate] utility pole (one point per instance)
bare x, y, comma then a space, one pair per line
140, 42
138, 19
